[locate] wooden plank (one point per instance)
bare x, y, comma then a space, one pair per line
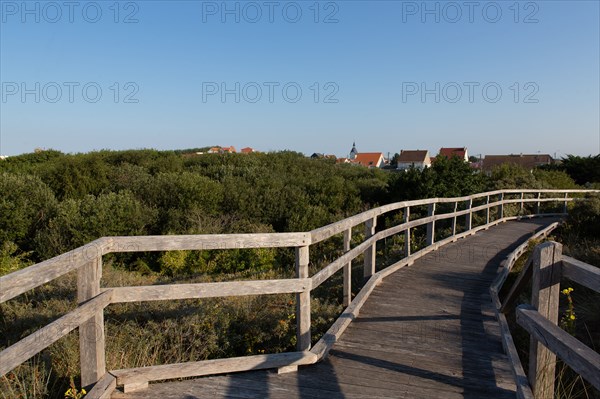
329, 270
582, 359
521, 381
323, 346
347, 293
46, 336
208, 242
33, 276
581, 273
103, 388
91, 332
210, 367
209, 290
545, 289
303, 301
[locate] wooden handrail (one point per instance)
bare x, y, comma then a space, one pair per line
87, 260
545, 268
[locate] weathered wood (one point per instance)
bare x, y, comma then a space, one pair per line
582, 359
33, 276
581, 273
502, 201
545, 289
371, 252
523, 388
430, 225
211, 367
407, 231
325, 232
209, 290
566, 202
135, 386
46, 336
323, 346
208, 242
487, 210
347, 270
91, 332
522, 204
469, 215
537, 205
454, 219
329, 270
302, 302
437, 341
103, 388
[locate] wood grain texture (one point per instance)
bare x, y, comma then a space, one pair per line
103, 388
521, 381
581, 273
209, 290
208, 242
33, 276
347, 291
425, 331
371, 251
545, 291
46, 336
303, 301
582, 359
91, 332
210, 367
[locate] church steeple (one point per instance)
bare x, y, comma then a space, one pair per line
353, 151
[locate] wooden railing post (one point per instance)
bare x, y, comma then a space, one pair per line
347, 269
565, 203
371, 251
407, 232
431, 225
501, 206
537, 204
302, 302
469, 216
487, 211
454, 219
545, 290
91, 331
521, 210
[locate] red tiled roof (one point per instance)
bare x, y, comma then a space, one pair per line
247, 150
449, 152
369, 158
407, 156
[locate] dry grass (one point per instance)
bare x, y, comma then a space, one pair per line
151, 333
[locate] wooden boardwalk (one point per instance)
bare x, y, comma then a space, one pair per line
427, 331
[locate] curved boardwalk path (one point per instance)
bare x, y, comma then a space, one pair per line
427, 331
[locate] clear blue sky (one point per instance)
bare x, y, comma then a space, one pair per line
169, 62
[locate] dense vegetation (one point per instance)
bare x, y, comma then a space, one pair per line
52, 202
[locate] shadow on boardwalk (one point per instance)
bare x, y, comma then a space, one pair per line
427, 331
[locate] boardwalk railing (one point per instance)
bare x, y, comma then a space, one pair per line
545, 269
488, 208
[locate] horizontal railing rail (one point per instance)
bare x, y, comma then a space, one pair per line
87, 260
544, 269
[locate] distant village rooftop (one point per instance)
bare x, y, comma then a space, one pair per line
528, 161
